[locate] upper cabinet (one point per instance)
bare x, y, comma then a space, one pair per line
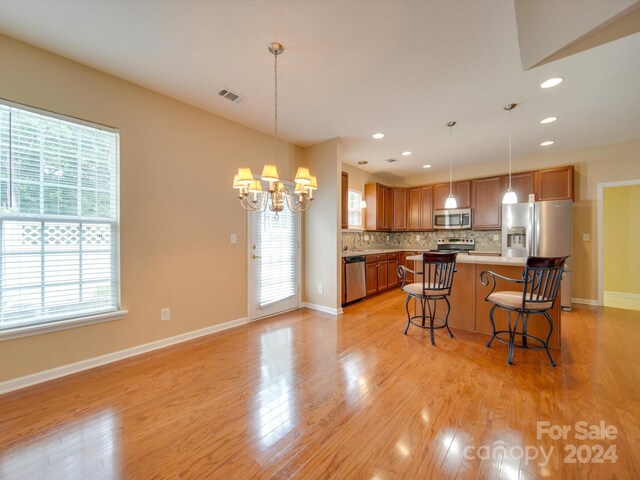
379, 211
486, 201
461, 191
400, 209
345, 200
554, 184
411, 209
522, 183
420, 212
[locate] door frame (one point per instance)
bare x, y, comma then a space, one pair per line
600, 253
250, 289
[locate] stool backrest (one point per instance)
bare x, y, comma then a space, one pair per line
542, 277
437, 271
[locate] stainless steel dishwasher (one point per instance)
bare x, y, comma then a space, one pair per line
355, 278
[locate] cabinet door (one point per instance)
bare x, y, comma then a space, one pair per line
371, 212
462, 192
554, 184
381, 197
426, 208
345, 200
413, 212
392, 273
487, 202
440, 194
371, 278
399, 209
382, 276
521, 183
388, 208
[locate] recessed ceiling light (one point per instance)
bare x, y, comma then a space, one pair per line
378, 136
426, 166
552, 82
548, 120
362, 162
547, 143
407, 153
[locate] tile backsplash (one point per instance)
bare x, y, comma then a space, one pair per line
359, 241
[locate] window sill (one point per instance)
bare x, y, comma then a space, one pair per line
29, 330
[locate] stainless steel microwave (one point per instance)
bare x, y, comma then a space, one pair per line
452, 219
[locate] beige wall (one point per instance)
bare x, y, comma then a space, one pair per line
620, 232
177, 206
322, 227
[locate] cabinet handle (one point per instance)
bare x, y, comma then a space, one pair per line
255, 256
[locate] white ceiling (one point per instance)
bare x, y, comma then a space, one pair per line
352, 68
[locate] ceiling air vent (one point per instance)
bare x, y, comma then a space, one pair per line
229, 95
391, 160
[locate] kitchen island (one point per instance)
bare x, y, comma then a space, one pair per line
470, 311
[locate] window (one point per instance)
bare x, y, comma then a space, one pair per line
355, 209
59, 218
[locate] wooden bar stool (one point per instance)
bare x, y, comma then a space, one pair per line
437, 279
540, 285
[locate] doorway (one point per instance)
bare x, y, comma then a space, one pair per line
618, 256
274, 262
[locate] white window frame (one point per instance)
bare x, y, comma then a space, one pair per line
352, 226
98, 316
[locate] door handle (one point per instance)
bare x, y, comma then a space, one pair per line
255, 256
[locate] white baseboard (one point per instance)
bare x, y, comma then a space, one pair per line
622, 300
322, 308
585, 301
64, 370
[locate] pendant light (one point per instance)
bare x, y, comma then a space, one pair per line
510, 196
451, 201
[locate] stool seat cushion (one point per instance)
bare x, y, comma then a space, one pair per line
514, 300
430, 289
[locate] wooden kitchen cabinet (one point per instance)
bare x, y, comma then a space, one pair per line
554, 184
392, 270
486, 201
379, 211
461, 191
381, 272
400, 204
522, 183
345, 200
383, 280
371, 277
420, 209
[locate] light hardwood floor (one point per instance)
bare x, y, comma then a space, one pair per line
308, 395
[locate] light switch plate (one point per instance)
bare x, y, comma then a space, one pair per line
234, 238
586, 237
165, 314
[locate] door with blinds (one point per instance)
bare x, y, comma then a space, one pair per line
274, 258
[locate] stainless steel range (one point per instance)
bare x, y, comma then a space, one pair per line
461, 245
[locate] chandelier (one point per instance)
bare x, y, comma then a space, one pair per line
250, 192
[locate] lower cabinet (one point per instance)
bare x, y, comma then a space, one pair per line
381, 272
392, 270
371, 277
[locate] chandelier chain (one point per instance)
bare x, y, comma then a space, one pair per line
275, 96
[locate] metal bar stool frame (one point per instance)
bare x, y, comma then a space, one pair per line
540, 285
437, 279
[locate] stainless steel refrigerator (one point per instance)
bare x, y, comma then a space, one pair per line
543, 229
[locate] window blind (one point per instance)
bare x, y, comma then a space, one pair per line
354, 209
59, 225
277, 246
